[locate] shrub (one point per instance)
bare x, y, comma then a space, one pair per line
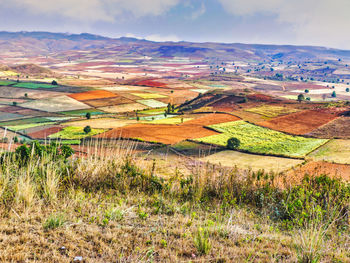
88, 115
301, 97
233, 143
87, 129
54, 82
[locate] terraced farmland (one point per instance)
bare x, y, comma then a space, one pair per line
271, 110
256, 139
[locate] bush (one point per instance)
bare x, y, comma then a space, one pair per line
87, 129
202, 242
54, 82
301, 97
233, 143
88, 115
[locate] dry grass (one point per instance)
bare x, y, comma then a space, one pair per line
104, 206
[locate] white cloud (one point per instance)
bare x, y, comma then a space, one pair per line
199, 12
313, 21
93, 10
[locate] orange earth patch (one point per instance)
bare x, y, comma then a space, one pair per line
333, 170
302, 122
93, 95
170, 134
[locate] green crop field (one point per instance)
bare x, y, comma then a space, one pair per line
28, 85
256, 139
337, 151
83, 112
6, 83
153, 111
24, 121
74, 133
27, 126
271, 111
149, 95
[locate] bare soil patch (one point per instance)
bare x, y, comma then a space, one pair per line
108, 102
93, 95
338, 128
301, 122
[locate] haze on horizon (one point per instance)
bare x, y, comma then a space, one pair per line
308, 22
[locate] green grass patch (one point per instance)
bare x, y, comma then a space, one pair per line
24, 121
256, 139
28, 85
337, 151
83, 112
6, 82
73, 133
271, 111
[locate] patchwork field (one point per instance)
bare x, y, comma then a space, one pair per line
167, 134
336, 151
256, 139
152, 103
44, 133
251, 161
338, 128
93, 95
271, 111
302, 122
55, 104
108, 102
149, 95
30, 85
102, 123
4, 116
173, 120
123, 108
72, 133
22, 127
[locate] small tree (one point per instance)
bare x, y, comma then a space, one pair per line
88, 115
233, 143
87, 129
14, 103
347, 89
26, 95
54, 82
15, 139
301, 97
306, 91
334, 94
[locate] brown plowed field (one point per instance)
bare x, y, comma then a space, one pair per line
42, 134
167, 134
320, 168
170, 134
211, 119
93, 95
301, 122
108, 102
338, 128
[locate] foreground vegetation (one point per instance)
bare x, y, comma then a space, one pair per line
111, 205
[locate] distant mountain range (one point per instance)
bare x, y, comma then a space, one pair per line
44, 43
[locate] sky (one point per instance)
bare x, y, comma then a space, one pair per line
295, 22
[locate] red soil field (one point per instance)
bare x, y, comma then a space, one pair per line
211, 119
302, 86
151, 83
108, 102
42, 134
320, 168
93, 95
262, 97
302, 122
170, 134
226, 104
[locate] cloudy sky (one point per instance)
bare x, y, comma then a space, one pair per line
304, 22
